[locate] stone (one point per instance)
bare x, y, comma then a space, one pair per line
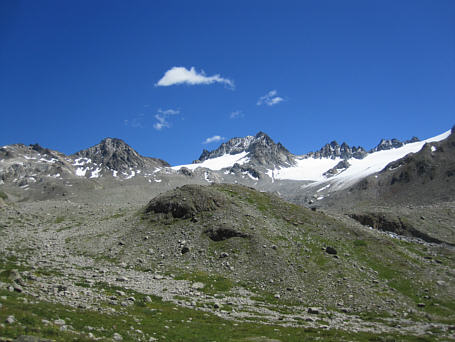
313, 310
224, 255
18, 288
421, 305
59, 322
117, 337
331, 250
122, 279
10, 320
441, 282
147, 299
197, 286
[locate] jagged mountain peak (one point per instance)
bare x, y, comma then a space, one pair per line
261, 149
116, 155
113, 153
334, 150
388, 144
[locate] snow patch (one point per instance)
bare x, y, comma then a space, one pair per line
227, 160
95, 173
81, 171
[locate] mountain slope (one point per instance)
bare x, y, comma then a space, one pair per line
427, 176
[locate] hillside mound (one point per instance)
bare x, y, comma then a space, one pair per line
186, 201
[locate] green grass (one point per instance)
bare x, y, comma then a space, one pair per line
59, 219
3, 196
161, 320
213, 283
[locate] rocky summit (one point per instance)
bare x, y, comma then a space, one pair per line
249, 243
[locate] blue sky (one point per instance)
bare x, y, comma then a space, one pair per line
167, 75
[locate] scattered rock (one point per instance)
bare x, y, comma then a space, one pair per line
10, 320
313, 311
59, 322
198, 286
117, 337
331, 250
30, 339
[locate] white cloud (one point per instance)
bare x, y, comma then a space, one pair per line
270, 99
162, 118
215, 138
181, 75
236, 114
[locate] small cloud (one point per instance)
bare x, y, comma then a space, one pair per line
162, 118
135, 122
236, 114
270, 99
215, 138
181, 75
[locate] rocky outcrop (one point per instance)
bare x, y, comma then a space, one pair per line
338, 168
344, 151
388, 144
185, 202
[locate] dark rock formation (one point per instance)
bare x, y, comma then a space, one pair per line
186, 202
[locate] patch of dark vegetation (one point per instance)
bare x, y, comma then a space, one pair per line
3, 196
221, 234
186, 202
395, 225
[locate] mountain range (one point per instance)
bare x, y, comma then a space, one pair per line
255, 161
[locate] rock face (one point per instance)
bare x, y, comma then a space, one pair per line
261, 148
116, 155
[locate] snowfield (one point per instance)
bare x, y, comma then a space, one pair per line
228, 160
311, 169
